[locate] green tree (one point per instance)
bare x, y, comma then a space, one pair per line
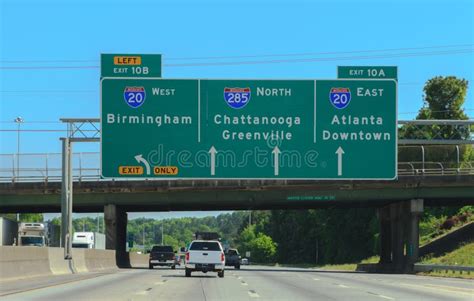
245, 239
31, 217
443, 99
262, 248
10, 216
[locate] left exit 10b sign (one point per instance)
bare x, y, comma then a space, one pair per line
130, 65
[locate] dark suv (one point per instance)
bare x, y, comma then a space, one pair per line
162, 256
232, 258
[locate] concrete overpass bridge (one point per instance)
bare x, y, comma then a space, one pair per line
139, 196
399, 202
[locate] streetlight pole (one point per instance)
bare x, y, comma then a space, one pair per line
162, 221
18, 121
143, 236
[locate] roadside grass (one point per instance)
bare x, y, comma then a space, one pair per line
449, 274
339, 267
349, 266
329, 267
462, 256
431, 227
373, 259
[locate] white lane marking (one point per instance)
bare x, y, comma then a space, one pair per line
381, 296
239, 277
343, 286
253, 294
442, 288
244, 283
386, 297
316, 279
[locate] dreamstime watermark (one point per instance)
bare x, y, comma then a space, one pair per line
260, 157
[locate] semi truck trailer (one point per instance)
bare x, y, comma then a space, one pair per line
88, 240
8, 231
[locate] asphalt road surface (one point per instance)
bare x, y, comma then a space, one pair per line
249, 283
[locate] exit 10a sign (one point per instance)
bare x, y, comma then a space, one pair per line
130, 65
368, 72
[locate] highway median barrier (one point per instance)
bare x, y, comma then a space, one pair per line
138, 260
57, 264
26, 262
79, 261
99, 260
23, 262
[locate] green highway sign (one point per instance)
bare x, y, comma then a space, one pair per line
368, 72
248, 129
130, 65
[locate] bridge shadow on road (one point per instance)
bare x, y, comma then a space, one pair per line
252, 269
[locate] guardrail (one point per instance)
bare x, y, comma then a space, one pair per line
435, 267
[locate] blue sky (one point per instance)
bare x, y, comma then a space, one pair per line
39, 38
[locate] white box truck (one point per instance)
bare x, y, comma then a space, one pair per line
88, 240
8, 231
32, 234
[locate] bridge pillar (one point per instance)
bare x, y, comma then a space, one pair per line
397, 239
385, 235
413, 233
399, 234
116, 233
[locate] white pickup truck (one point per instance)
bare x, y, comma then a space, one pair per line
205, 256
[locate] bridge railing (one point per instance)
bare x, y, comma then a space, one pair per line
47, 167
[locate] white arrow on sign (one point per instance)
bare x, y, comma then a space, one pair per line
139, 159
339, 153
213, 153
276, 160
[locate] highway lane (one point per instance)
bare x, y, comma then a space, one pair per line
249, 283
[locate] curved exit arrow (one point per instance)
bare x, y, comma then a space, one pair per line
139, 159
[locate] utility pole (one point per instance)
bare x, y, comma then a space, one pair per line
162, 221
250, 218
98, 223
143, 235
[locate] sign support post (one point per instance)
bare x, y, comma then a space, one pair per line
75, 128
